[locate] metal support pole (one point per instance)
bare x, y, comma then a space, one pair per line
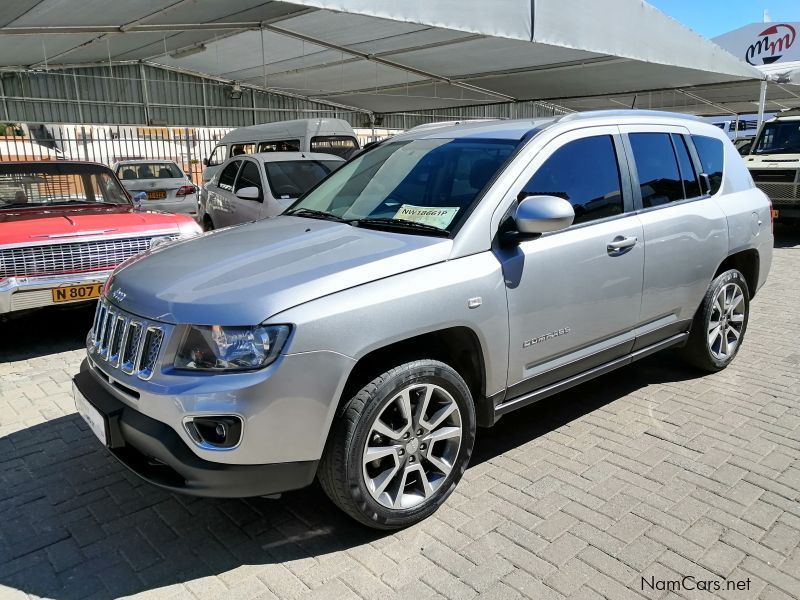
77, 95
762, 100
145, 100
5, 102
205, 102
253, 103
85, 145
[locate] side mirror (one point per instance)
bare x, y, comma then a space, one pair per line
536, 215
138, 198
249, 193
205, 162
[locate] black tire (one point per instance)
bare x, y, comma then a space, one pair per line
208, 224
699, 351
340, 471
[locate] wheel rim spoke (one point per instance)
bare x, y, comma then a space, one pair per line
412, 445
726, 321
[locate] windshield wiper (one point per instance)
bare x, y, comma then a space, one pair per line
312, 214
399, 224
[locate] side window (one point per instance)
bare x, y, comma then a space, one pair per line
279, 146
239, 149
657, 167
711, 152
691, 184
228, 175
218, 156
249, 177
586, 173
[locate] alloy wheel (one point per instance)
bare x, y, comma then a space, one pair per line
412, 446
726, 321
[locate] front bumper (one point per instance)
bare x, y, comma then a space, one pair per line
20, 293
156, 453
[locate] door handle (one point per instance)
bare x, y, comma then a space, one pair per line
620, 243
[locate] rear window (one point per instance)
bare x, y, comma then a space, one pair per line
340, 145
31, 186
711, 153
657, 167
293, 178
149, 171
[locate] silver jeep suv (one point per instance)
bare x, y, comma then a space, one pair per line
436, 282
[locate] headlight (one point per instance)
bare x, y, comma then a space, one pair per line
218, 348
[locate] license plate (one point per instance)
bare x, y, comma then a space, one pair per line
90, 414
774, 214
160, 195
71, 293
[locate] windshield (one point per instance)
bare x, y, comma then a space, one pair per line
155, 170
292, 178
30, 186
433, 182
780, 137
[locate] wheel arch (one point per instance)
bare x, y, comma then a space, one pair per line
747, 263
457, 346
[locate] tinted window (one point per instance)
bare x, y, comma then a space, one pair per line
218, 156
691, 185
293, 178
586, 173
228, 175
659, 179
711, 154
279, 146
780, 137
249, 177
238, 149
340, 145
149, 171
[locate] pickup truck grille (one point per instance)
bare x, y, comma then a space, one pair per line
774, 175
124, 341
71, 257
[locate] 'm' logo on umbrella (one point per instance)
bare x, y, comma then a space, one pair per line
771, 44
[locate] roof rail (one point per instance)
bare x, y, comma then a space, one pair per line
626, 112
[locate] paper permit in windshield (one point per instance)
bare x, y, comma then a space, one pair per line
438, 216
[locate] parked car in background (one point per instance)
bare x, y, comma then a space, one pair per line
329, 136
774, 163
167, 187
256, 186
64, 226
437, 282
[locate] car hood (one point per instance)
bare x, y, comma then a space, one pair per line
37, 225
243, 275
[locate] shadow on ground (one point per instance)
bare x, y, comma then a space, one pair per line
44, 332
787, 235
75, 524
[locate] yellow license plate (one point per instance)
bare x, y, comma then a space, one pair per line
774, 214
156, 195
71, 293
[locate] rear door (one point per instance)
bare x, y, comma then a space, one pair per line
685, 231
574, 295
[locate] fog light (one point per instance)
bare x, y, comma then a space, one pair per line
215, 432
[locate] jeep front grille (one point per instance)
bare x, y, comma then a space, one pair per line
125, 341
71, 257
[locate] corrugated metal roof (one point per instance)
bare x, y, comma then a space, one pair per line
381, 55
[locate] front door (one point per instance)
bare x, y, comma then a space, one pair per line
574, 295
248, 209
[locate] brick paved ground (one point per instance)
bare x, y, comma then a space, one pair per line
648, 472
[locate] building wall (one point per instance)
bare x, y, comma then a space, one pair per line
133, 94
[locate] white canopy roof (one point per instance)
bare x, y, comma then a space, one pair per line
381, 55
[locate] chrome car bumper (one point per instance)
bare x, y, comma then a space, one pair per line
20, 293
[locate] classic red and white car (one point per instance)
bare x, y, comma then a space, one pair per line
64, 226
